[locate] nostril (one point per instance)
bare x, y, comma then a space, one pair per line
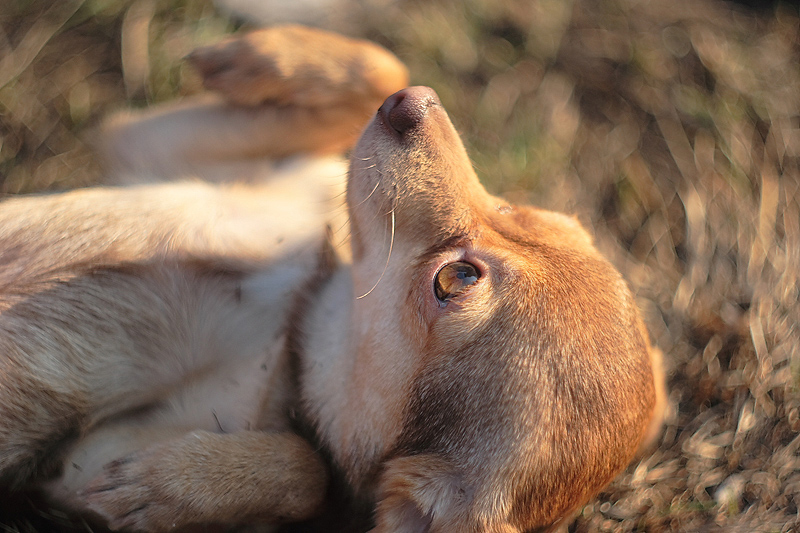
406, 109
389, 106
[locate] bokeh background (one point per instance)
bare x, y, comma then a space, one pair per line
670, 128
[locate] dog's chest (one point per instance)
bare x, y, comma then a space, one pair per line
232, 347
248, 384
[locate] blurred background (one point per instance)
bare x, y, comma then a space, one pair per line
670, 128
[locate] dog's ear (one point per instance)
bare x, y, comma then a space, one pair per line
426, 494
415, 491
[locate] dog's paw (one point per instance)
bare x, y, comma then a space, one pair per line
136, 493
241, 71
298, 65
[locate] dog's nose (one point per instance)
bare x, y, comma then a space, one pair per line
406, 109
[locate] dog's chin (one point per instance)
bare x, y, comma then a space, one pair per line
411, 177
364, 175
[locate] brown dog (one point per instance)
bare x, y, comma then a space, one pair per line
467, 365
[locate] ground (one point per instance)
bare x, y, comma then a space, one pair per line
671, 129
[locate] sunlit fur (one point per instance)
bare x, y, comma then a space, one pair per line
161, 343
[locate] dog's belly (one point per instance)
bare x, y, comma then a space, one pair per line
242, 385
236, 377
178, 324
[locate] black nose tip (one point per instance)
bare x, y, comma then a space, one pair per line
406, 109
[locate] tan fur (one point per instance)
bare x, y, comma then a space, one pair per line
319, 91
255, 475
145, 347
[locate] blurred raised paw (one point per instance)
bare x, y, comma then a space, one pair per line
298, 66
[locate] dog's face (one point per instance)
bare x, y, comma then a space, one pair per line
501, 373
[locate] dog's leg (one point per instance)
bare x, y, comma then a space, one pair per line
282, 91
93, 325
295, 65
206, 477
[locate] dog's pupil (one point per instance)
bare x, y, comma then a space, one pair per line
453, 279
467, 273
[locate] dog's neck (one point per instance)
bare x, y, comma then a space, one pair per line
325, 354
324, 348
320, 346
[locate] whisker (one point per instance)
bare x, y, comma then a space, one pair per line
343, 225
386, 266
375, 188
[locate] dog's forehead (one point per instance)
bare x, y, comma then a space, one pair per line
519, 371
526, 401
556, 317
486, 384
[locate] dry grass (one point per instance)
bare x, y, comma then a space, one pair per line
671, 128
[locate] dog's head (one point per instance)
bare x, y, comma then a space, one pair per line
502, 376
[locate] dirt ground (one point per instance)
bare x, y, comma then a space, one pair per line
672, 129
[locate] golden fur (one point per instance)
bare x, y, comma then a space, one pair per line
463, 365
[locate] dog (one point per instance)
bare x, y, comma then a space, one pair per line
179, 352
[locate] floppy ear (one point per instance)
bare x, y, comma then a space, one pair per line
420, 494
426, 494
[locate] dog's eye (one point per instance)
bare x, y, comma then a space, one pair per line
453, 279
